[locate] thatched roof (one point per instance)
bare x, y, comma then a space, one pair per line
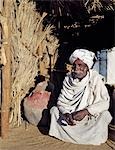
80, 24
73, 8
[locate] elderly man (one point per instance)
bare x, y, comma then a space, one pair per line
81, 115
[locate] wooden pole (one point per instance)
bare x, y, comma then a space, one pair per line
6, 76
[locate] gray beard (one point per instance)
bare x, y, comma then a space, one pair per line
75, 76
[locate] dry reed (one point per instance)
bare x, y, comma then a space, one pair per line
31, 47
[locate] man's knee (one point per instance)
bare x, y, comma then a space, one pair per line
54, 110
107, 116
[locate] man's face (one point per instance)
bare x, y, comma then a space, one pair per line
79, 69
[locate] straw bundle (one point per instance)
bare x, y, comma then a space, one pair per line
31, 47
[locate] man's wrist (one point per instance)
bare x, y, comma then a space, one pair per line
86, 112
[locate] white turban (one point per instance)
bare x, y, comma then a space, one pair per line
85, 55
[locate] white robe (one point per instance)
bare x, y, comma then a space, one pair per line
91, 94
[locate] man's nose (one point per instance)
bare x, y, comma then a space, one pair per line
78, 67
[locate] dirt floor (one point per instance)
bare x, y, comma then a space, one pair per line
31, 138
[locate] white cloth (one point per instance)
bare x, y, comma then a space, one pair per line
85, 55
89, 93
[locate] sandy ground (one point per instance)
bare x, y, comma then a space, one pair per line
32, 138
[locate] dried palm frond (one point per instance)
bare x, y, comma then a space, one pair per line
93, 5
98, 5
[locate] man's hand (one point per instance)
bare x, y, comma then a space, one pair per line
69, 119
79, 115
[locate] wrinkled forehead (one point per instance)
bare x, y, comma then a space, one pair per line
79, 61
